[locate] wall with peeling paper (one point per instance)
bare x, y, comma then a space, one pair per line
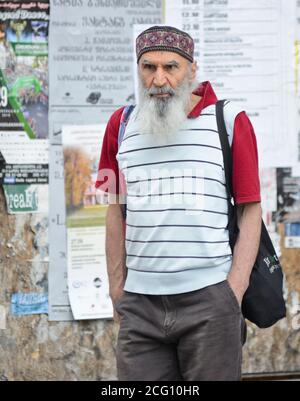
31, 348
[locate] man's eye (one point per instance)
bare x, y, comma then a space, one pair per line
149, 67
171, 67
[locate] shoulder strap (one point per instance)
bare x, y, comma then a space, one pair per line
227, 158
123, 122
122, 127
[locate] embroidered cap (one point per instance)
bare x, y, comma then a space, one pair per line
165, 38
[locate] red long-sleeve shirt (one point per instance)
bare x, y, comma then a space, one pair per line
246, 186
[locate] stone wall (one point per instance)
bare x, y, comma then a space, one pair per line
31, 348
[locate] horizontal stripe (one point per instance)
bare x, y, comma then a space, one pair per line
177, 193
172, 272
170, 146
176, 161
174, 178
179, 257
178, 242
131, 136
200, 129
177, 225
175, 210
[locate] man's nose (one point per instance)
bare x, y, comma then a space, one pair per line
160, 78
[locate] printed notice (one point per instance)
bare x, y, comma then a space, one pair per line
246, 51
85, 220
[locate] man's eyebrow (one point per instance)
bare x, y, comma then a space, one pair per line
145, 61
173, 62
170, 63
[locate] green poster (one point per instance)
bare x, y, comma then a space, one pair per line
24, 67
26, 198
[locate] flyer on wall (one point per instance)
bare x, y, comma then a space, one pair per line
288, 196
24, 104
24, 67
85, 221
91, 55
247, 54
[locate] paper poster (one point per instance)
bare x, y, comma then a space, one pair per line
296, 170
24, 161
24, 172
24, 67
85, 220
297, 82
292, 235
29, 304
188, 16
24, 104
288, 196
296, 167
91, 55
91, 46
30, 198
2, 317
247, 53
268, 186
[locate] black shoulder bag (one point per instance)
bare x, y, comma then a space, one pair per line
263, 302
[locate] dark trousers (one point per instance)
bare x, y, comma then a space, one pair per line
192, 336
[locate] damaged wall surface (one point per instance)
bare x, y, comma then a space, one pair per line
31, 348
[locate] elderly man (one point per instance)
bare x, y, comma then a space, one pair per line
175, 285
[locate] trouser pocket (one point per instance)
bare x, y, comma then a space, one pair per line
243, 330
232, 296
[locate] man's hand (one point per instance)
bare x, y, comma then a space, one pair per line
238, 289
115, 297
115, 254
246, 247
117, 318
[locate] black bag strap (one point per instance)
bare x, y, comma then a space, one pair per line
227, 158
122, 127
232, 226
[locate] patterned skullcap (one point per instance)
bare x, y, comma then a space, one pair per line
165, 38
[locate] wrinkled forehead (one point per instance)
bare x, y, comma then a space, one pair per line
162, 57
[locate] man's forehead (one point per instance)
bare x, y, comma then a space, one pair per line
164, 57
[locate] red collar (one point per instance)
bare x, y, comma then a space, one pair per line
208, 97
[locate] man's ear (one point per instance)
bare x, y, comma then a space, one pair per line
193, 70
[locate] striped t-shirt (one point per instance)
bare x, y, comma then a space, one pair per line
176, 236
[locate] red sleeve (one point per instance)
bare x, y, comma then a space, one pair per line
245, 175
108, 165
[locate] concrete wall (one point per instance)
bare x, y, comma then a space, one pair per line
31, 348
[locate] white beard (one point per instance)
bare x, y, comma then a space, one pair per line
164, 116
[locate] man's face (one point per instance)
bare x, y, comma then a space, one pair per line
166, 82
165, 69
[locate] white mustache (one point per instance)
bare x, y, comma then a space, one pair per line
161, 91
